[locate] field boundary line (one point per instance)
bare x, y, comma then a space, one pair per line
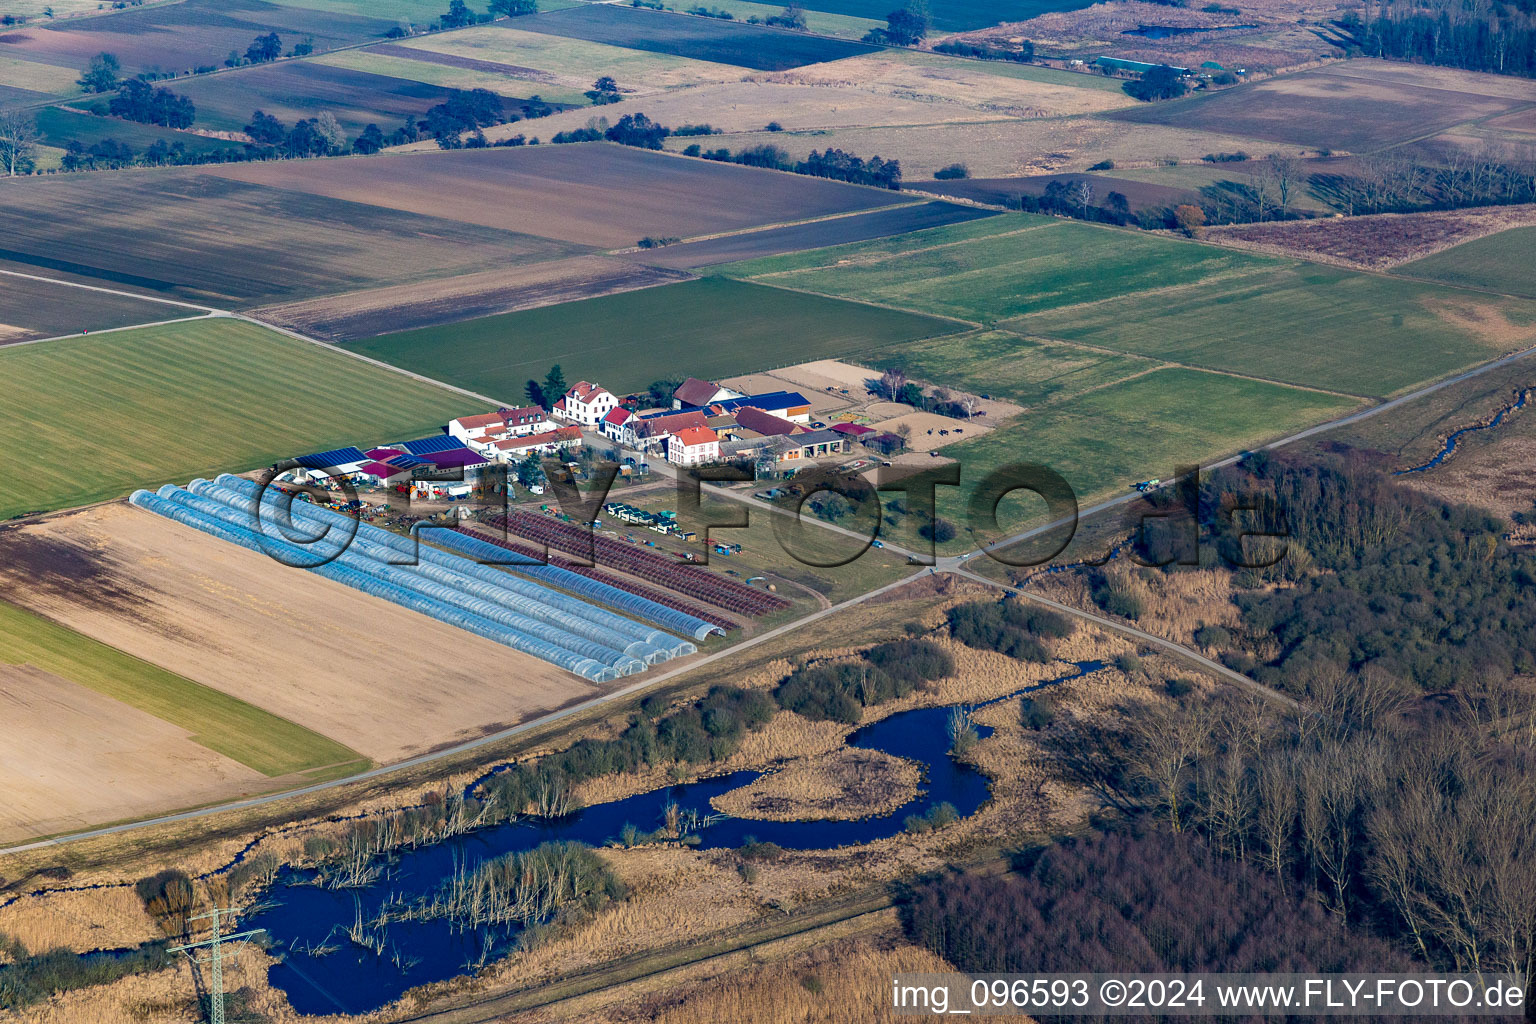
532, 724
112, 291
1172, 364
107, 330
887, 257
844, 215
421, 378
968, 324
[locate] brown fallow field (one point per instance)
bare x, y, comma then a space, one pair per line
1373, 242
211, 239
31, 308
589, 194
386, 681
1357, 105
373, 311
73, 757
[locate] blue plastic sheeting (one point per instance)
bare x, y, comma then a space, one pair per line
593, 590
353, 557
230, 529
528, 597
365, 553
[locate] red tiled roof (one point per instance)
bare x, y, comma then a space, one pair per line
693, 436
856, 429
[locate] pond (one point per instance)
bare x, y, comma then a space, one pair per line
1170, 31
325, 971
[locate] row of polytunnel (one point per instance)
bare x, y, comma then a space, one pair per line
523, 613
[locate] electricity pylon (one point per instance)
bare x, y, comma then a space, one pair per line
214, 959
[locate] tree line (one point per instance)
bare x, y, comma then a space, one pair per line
1499, 38
1399, 794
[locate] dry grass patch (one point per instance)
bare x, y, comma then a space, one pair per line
935, 79
1376, 241
838, 983
1007, 148
840, 786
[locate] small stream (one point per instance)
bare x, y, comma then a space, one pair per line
1453, 439
323, 971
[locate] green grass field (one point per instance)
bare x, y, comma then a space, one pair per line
1104, 441
262, 741
576, 61
998, 268
1499, 263
58, 127
1167, 299
840, 25
1007, 366
37, 77
445, 76
94, 418
1317, 326
712, 327
1008, 69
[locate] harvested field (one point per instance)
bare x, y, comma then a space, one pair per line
1389, 239
40, 568
991, 87
1499, 262
1364, 334
589, 194
813, 235
997, 268
843, 785
1007, 148
211, 611
190, 399
708, 39
32, 80
1360, 106
748, 106
32, 308
364, 314
73, 758
59, 126
213, 239
629, 340
297, 89
180, 36
570, 63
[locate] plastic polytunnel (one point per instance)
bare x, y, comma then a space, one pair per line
449, 593
561, 607
366, 553
234, 532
